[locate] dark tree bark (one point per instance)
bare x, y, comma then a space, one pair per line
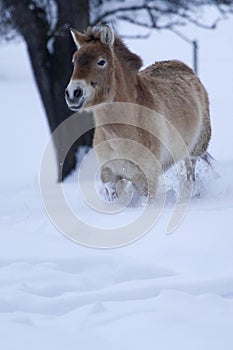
50, 55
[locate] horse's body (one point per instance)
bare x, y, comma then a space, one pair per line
106, 71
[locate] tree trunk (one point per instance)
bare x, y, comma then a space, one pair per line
50, 55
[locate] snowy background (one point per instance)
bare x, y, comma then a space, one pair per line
163, 290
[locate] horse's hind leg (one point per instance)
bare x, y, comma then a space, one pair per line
191, 176
186, 178
190, 165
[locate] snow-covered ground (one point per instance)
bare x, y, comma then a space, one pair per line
162, 291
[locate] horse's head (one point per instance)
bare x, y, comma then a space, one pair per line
93, 68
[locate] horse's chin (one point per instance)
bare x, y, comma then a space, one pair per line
78, 107
75, 109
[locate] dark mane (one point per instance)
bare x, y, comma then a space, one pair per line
132, 60
93, 33
124, 54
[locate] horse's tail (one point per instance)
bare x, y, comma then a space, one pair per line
208, 159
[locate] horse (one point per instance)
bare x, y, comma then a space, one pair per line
105, 72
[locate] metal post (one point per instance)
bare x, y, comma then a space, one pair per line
195, 56
194, 43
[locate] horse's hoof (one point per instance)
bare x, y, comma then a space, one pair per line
110, 192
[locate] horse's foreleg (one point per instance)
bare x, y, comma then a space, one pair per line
146, 186
109, 183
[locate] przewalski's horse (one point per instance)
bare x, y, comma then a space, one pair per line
105, 70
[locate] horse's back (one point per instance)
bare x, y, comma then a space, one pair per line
180, 96
168, 69
174, 77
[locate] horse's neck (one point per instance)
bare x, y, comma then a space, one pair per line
125, 84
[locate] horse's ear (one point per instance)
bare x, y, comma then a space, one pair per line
107, 36
79, 38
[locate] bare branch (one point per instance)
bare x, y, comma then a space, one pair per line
136, 36
173, 13
151, 25
107, 14
213, 25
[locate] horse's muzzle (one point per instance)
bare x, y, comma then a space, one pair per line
74, 96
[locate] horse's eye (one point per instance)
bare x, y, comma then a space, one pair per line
101, 63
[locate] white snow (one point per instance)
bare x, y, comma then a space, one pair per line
161, 292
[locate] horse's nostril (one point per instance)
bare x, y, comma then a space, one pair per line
78, 93
67, 93
93, 84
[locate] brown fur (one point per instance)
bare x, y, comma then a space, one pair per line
170, 88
